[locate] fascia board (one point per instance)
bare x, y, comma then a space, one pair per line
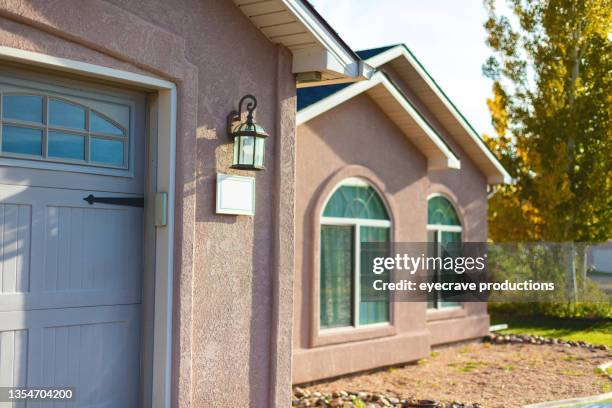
335, 99
347, 59
330, 102
320, 59
401, 51
452, 160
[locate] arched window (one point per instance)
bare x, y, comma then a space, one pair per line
49, 128
354, 214
444, 233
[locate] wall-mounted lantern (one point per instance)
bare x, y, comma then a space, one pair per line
248, 137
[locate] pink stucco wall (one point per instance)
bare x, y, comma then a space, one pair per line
467, 189
233, 275
357, 139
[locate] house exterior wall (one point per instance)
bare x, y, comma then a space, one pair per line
467, 189
232, 275
357, 139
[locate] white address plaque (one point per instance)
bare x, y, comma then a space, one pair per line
235, 195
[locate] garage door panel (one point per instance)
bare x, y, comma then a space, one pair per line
15, 232
13, 357
69, 348
59, 251
98, 348
91, 248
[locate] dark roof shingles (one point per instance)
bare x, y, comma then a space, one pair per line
311, 95
372, 52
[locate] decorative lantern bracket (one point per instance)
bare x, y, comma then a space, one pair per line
236, 116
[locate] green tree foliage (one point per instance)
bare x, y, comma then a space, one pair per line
551, 109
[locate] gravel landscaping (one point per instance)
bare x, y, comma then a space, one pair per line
508, 371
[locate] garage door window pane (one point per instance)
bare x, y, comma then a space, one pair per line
100, 125
66, 114
21, 140
23, 107
66, 145
106, 151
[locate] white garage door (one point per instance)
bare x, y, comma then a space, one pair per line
70, 271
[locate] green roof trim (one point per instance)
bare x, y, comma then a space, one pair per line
372, 52
461, 116
467, 122
383, 55
397, 88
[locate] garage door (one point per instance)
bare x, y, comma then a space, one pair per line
71, 270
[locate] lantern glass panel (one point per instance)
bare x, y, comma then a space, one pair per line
248, 149
260, 146
236, 150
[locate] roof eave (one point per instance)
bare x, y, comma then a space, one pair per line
439, 157
496, 174
337, 62
330, 69
318, 51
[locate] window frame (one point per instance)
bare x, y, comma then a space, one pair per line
438, 229
355, 224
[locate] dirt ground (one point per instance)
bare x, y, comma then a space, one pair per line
503, 376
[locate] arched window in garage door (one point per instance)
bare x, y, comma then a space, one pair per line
44, 127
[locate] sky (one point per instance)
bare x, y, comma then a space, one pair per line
447, 36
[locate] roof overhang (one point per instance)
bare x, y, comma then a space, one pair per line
431, 95
320, 56
395, 105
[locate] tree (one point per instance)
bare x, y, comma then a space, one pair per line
551, 109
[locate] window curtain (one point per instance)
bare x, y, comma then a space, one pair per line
373, 305
450, 243
336, 276
440, 211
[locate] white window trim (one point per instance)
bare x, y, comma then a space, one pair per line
438, 229
164, 236
445, 228
357, 223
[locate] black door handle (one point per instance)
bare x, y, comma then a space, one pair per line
127, 201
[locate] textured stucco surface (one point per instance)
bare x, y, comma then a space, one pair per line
357, 139
233, 274
466, 187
